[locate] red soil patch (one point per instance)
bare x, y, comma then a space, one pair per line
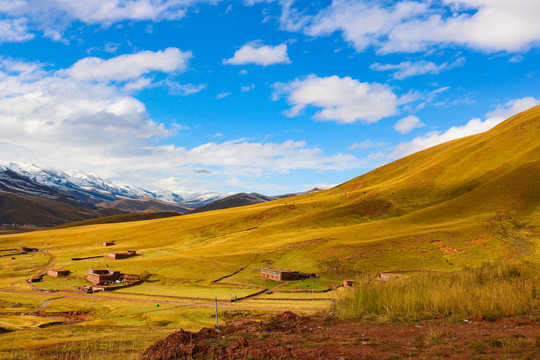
289, 336
479, 240
451, 250
223, 227
265, 216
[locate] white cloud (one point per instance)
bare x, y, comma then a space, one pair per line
366, 144
253, 2
513, 107
408, 123
344, 100
14, 30
407, 69
131, 66
223, 95
474, 126
247, 88
411, 26
38, 14
183, 89
255, 53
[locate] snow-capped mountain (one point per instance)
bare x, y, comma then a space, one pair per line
94, 189
240, 199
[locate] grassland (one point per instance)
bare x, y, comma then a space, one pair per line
489, 291
446, 208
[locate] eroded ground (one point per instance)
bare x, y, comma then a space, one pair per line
289, 336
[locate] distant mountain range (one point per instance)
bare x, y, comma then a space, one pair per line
44, 196
145, 204
243, 199
95, 190
24, 201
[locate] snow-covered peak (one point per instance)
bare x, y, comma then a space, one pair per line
95, 189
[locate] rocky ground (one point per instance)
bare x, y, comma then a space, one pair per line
289, 336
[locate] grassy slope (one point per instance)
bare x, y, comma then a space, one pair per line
120, 218
23, 209
143, 205
452, 205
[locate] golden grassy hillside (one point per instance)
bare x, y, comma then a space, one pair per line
456, 204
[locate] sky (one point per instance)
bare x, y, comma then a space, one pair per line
272, 96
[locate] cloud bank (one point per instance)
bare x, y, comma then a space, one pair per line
84, 117
412, 26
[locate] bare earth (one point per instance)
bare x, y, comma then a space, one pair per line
289, 336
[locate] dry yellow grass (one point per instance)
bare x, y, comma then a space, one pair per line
445, 208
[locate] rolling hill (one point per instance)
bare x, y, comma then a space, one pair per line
120, 218
236, 200
145, 204
450, 206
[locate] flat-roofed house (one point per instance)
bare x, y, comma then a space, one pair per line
118, 256
102, 276
281, 274
26, 249
58, 273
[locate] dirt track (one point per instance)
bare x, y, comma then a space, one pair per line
289, 336
153, 301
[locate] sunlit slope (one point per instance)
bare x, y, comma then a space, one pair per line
456, 204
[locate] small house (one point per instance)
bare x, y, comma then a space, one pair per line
281, 274
26, 249
58, 273
108, 243
348, 284
118, 256
102, 276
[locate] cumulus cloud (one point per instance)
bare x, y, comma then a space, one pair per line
411, 26
258, 54
407, 69
474, 126
344, 100
131, 66
408, 123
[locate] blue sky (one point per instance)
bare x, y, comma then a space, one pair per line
256, 95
